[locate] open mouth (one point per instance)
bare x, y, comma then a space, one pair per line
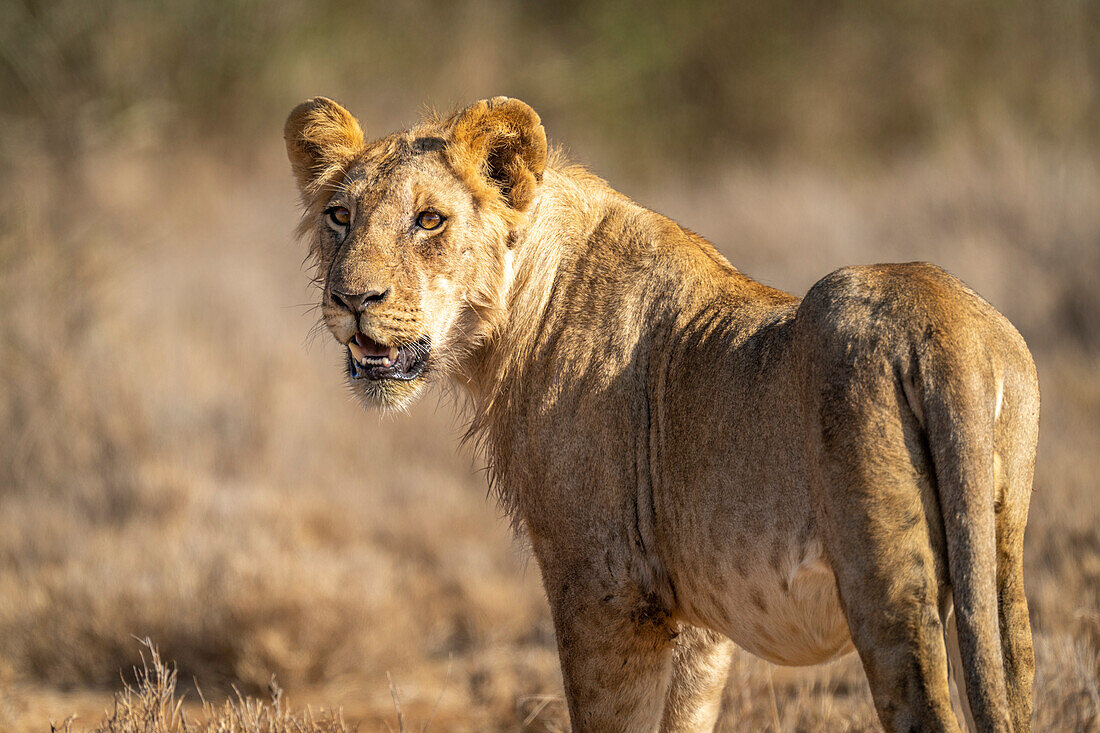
368, 359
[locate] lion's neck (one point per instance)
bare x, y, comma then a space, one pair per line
593, 279
561, 220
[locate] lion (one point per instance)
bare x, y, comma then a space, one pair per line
696, 459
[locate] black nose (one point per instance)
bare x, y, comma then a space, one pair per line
358, 302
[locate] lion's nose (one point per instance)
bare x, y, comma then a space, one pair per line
358, 302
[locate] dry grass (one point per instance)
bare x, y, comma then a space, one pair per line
151, 704
181, 461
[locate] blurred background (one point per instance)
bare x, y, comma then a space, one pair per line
179, 458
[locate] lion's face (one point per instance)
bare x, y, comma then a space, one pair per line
404, 253
410, 234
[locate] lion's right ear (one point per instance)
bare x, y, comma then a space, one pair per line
321, 139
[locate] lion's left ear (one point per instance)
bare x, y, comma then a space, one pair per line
504, 141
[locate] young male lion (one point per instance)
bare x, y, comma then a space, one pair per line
697, 459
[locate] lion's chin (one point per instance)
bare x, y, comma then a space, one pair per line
387, 394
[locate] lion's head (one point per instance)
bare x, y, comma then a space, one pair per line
410, 233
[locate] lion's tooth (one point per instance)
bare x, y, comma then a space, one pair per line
357, 351
393, 353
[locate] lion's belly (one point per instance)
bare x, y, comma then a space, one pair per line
738, 534
785, 611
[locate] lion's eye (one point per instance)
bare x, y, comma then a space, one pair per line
339, 216
429, 220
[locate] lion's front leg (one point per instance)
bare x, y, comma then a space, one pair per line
616, 651
699, 669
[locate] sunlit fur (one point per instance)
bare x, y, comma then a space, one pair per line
696, 457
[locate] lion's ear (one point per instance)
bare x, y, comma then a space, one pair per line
503, 139
321, 138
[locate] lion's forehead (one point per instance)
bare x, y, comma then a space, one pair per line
405, 149
415, 179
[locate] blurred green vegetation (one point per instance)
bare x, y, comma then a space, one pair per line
696, 82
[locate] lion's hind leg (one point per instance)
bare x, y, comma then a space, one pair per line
879, 519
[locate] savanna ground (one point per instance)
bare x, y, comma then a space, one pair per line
179, 460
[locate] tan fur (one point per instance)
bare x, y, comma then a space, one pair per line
694, 456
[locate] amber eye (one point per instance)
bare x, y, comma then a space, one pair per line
429, 220
339, 216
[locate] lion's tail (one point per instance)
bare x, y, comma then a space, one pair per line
959, 421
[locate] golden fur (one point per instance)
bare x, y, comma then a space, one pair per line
696, 458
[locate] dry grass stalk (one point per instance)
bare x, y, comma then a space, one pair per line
151, 704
